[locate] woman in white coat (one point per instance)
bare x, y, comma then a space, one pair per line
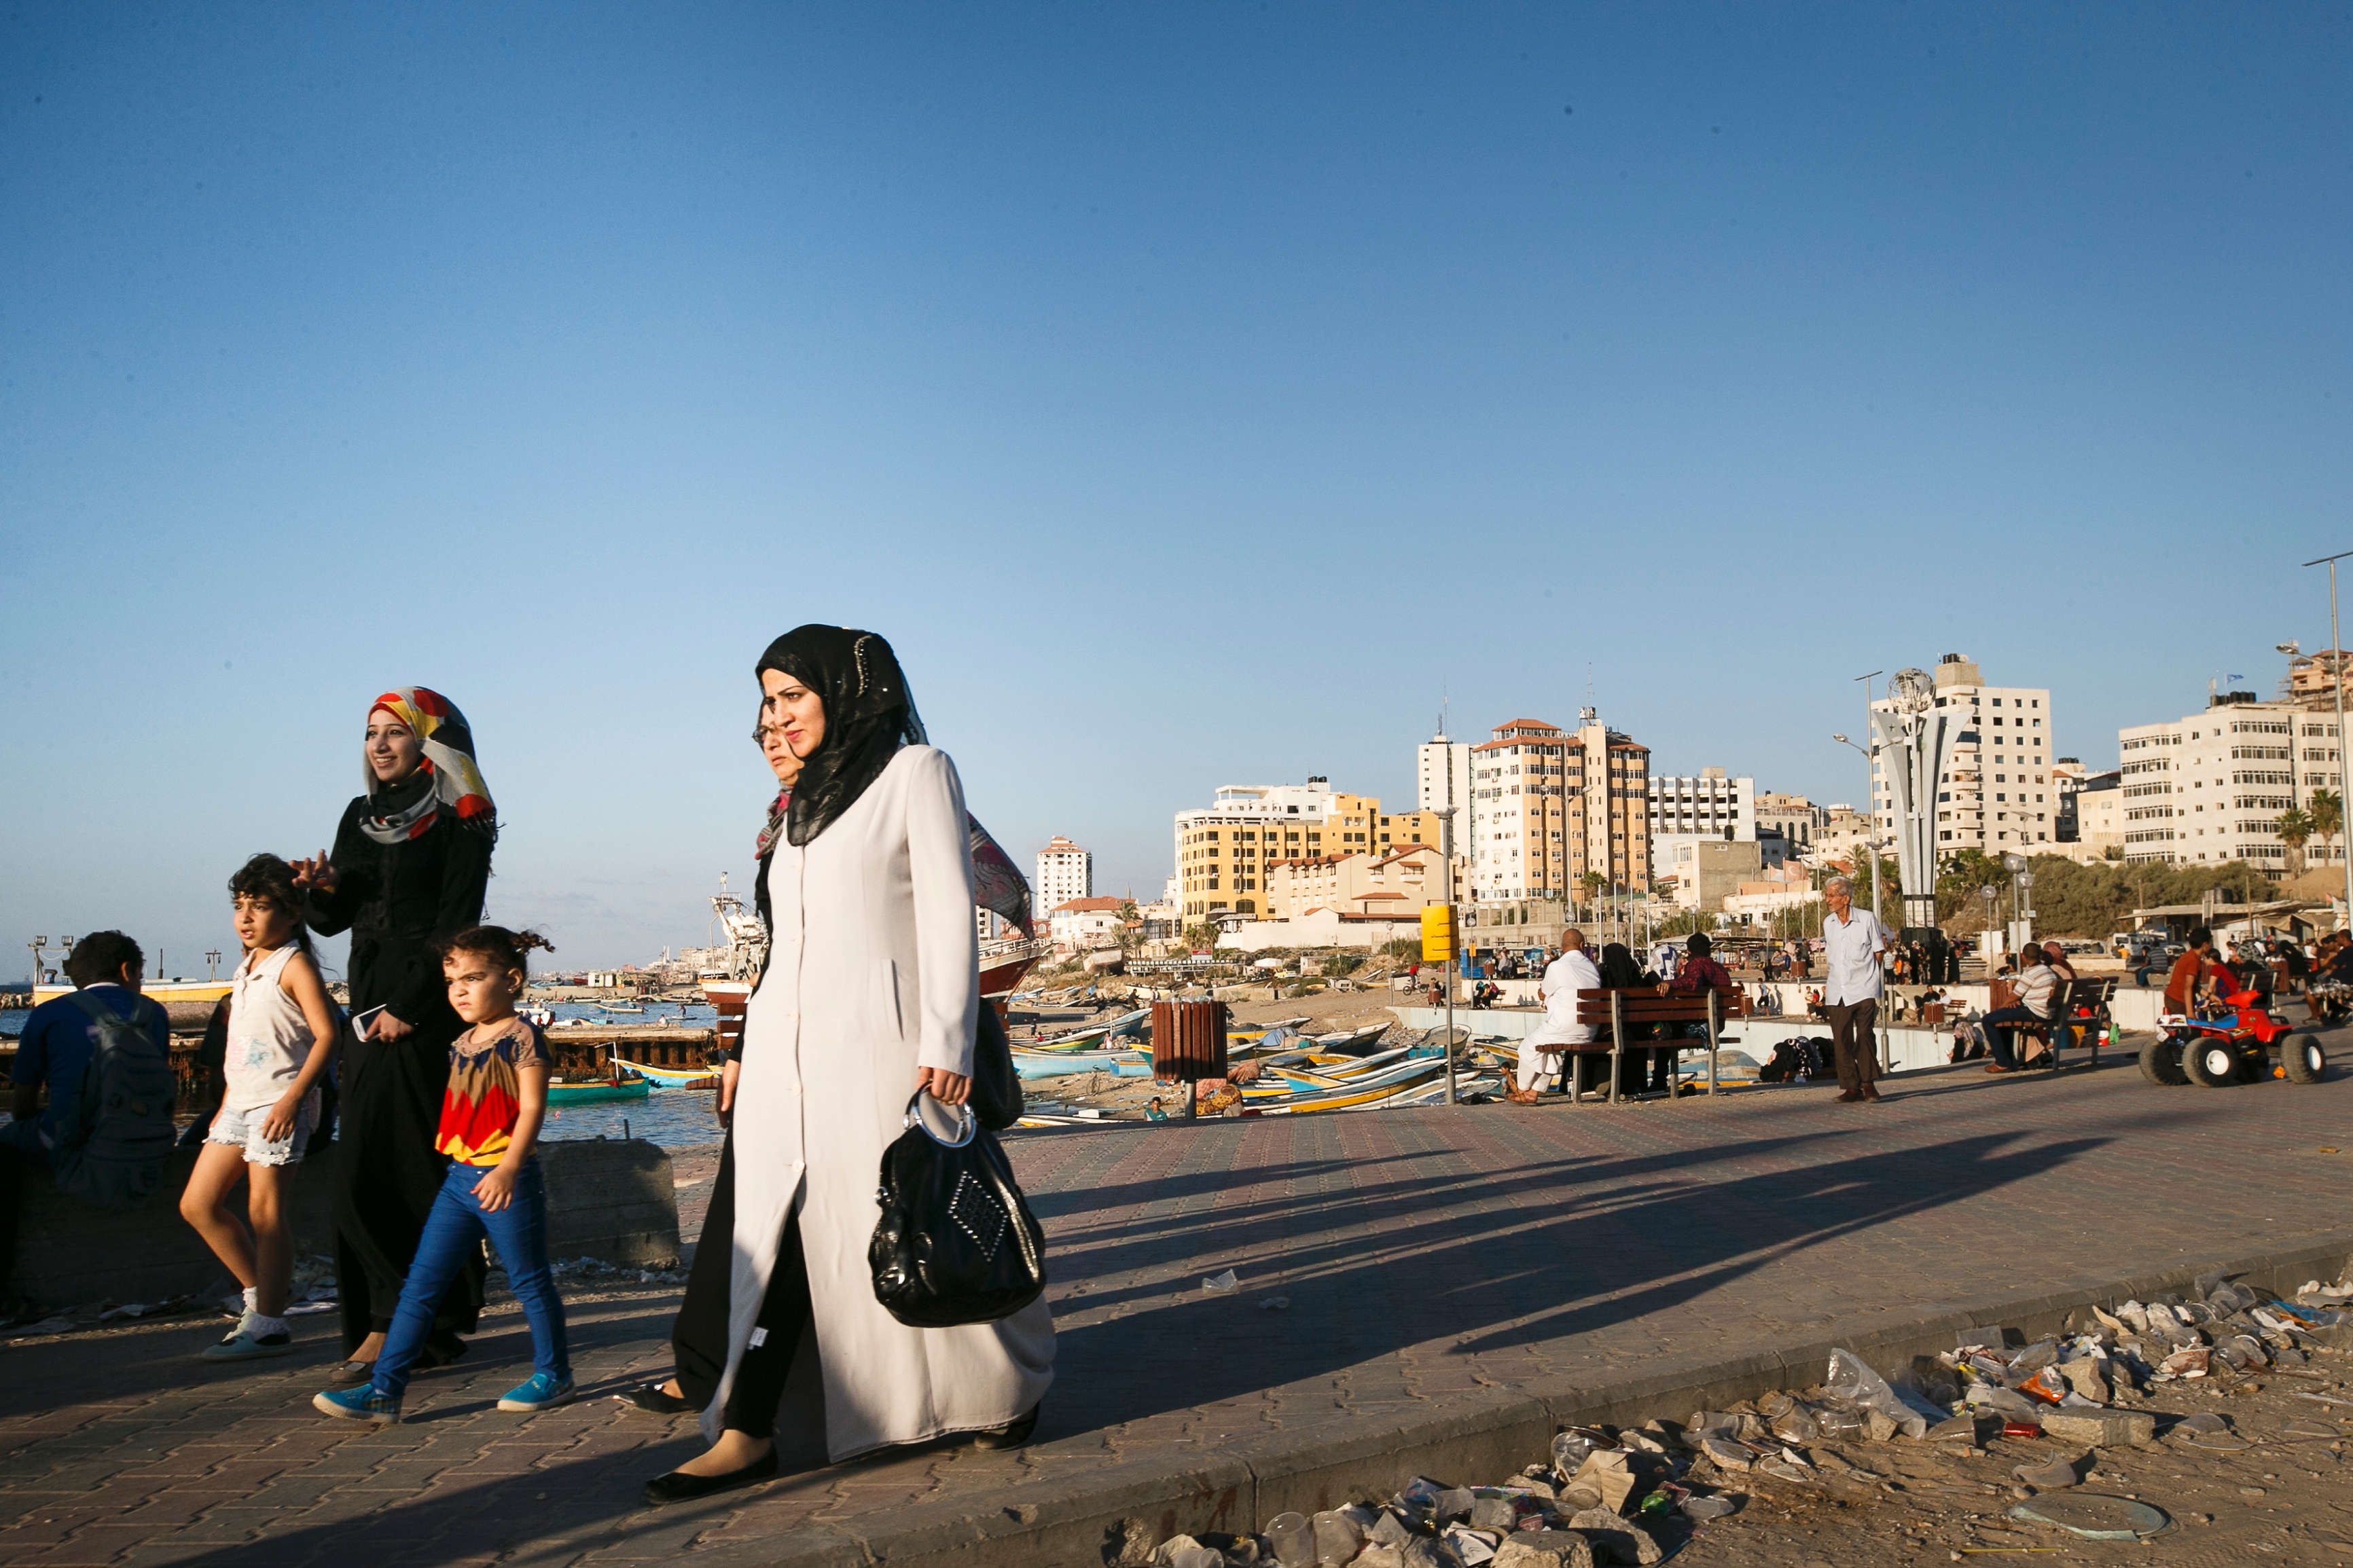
870, 996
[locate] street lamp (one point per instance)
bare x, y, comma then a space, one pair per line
1871, 841
2336, 680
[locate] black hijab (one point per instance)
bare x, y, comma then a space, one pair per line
867, 717
1618, 967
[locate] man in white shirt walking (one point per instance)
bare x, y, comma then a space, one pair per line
1542, 1053
1853, 940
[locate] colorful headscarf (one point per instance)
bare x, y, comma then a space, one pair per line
447, 766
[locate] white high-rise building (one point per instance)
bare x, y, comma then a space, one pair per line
1065, 872
1441, 769
2211, 786
1708, 805
1997, 795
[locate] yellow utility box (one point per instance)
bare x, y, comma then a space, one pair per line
1438, 933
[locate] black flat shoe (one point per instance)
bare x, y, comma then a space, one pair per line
1012, 1435
680, 1487
654, 1400
349, 1374
440, 1350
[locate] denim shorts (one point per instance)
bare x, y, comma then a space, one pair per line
242, 1130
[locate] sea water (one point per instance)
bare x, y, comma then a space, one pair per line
672, 1117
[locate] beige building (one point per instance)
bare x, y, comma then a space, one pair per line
1400, 882
1065, 872
1706, 871
2211, 786
2309, 683
1797, 818
1548, 806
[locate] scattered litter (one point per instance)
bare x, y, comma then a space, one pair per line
1219, 1284
305, 1309
1275, 1304
129, 1309
45, 1326
597, 1271
2095, 1516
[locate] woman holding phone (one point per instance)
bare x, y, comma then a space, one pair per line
411, 862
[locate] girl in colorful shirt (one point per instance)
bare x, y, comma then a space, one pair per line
280, 1036
490, 1116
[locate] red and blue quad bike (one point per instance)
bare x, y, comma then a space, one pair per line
2235, 1049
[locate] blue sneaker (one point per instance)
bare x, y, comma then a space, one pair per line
360, 1403
542, 1393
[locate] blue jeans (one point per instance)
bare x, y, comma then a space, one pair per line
454, 1228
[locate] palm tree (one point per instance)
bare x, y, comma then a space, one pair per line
2327, 811
2294, 828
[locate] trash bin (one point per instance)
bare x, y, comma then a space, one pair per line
1189, 1043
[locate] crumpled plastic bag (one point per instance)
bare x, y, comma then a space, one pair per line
1857, 1384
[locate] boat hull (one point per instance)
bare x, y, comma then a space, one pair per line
595, 1093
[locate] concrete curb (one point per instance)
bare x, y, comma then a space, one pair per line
1085, 1522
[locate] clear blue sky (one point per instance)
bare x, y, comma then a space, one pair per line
1193, 394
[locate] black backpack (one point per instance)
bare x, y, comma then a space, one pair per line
111, 1154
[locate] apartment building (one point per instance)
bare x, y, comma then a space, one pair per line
1065, 872
1520, 838
1223, 853
1547, 807
1706, 805
1400, 881
2211, 786
1995, 793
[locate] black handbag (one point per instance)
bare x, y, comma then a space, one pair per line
996, 1087
956, 1242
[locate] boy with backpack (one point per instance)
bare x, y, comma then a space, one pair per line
104, 1054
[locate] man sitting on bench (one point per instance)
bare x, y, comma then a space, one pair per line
2032, 989
1542, 1053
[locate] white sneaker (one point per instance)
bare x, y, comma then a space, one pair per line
245, 1344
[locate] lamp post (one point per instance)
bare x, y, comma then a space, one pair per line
1871, 841
2336, 680
212, 963
37, 944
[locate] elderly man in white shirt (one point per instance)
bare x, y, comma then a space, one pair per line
1853, 939
1542, 1054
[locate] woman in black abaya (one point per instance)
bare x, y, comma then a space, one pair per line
411, 862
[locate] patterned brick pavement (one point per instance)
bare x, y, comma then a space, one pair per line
1433, 1261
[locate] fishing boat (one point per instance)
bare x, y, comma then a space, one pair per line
1062, 1064
1304, 1092
595, 1092
186, 1001
671, 1078
1346, 1041
1125, 1023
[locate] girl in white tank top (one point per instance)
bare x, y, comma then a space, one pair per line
269, 1038
281, 1036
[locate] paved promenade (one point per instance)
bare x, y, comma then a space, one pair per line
1438, 1266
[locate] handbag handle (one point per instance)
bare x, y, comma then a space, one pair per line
915, 1118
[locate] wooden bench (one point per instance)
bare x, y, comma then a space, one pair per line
2088, 998
1622, 1008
